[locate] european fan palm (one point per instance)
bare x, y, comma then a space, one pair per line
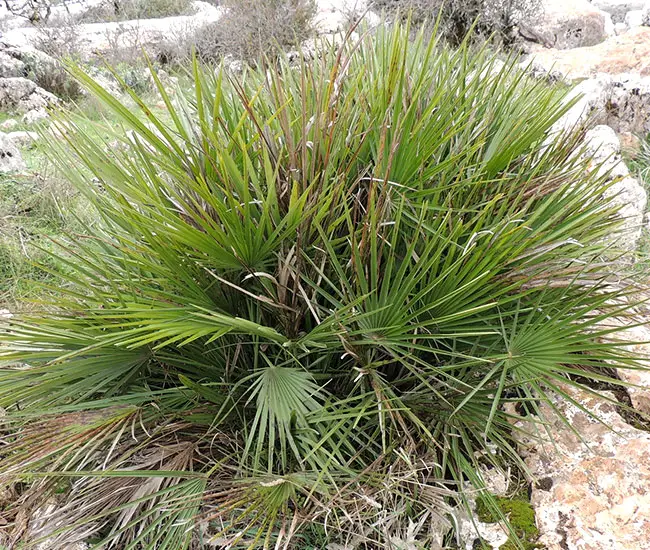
308, 295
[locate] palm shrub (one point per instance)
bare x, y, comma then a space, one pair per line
309, 294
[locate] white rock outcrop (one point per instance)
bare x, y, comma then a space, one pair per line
634, 18
619, 8
593, 497
10, 158
621, 102
23, 138
24, 61
639, 379
571, 24
645, 15
35, 116
629, 52
22, 95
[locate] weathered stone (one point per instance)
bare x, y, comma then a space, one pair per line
645, 15
23, 138
23, 95
98, 38
588, 96
25, 61
634, 18
626, 53
35, 116
627, 104
591, 497
469, 528
496, 480
10, 158
621, 102
639, 390
9, 124
631, 144
620, 28
10, 66
618, 8
571, 24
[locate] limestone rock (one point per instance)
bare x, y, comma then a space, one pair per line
594, 497
625, 191
23, 95
98, 38
626, 53
631, 144
620, 28
639, 391
10, 66
589, 96
9, 124
10, 158
621, 102
35, 116
469, 528
645, 15
23, 138
618, 8
627, 103
25, 61
571, 24
634, 18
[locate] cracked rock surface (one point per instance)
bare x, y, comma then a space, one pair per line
589, 498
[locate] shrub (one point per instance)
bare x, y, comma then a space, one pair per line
312, 292
251, 30
35, 11
124, 10
59, 42
456, 18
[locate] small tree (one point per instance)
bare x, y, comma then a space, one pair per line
37, 11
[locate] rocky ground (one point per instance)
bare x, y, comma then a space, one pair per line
591, 490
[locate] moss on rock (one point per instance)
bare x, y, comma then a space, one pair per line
519, 513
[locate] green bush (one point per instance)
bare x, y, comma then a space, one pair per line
456, 19
312, 291
124, 10
251, 30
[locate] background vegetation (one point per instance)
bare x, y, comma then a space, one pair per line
251, 30
456, 19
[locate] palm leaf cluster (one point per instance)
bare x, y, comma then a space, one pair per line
309, 293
